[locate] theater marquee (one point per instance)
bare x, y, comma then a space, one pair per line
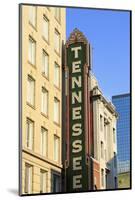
77, 62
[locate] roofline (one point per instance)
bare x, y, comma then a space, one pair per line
109, 105
121, 95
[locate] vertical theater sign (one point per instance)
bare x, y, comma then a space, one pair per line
78, 113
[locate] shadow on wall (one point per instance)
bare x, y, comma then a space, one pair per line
111, 173
107, 178
113, 180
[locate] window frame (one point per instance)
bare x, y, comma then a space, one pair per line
44, 55
115, 159
31, 100
101, 122
29, 121
114, 135
43, 172
45, 19
58, 111
30, 22
55, 174
47, 106
28, 189
57, 49
56, 156
57, 17
102, 178
45, 153
102, 149
58, 67
30, 57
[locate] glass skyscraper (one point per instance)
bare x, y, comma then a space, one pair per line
122, 104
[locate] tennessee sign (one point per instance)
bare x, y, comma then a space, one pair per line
77, 171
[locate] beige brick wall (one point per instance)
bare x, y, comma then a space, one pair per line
33, 157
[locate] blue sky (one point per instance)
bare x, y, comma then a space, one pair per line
109, 34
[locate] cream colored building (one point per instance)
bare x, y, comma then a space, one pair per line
104, 130
42, 34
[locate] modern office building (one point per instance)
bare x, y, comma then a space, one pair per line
104, 139
42, 32
122, 104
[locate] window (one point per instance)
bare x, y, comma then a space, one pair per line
101, 123
115, 159
29, 133
56, 110
55, 183
31, 90
105, 128
57, 13
56, 75
28, 178
44, 142
114, 135
44, 103
102, 150
115, 182
45, 64
57, 41
32, 51
105, 155
102, 177
43, 181
56, 148
45, 28
32, 15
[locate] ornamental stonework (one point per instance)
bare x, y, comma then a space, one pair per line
76, 36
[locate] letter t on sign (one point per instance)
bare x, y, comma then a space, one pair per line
76, 49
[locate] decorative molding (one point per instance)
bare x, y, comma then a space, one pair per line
44, 159
76, 36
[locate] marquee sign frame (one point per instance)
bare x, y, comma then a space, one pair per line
78, 113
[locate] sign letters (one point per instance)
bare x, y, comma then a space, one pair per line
77, 172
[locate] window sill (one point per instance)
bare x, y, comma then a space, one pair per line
57, 53
48, 8
58, 88
34, 27
43, 74
57, 162
56, 123
32, 106
46, 116
33, 65
58, 20
44, 157
28, 149
45, 39
49, 161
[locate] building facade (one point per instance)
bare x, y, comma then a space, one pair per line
44, 114
104, 139
42, 34
122, 104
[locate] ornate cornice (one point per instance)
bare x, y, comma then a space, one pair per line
76, 36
